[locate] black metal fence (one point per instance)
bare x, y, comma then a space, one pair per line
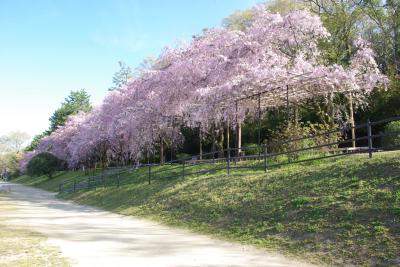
369, 139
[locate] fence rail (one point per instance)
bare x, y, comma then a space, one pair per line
297, 150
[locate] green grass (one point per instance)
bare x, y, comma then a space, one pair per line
336, 211
25, 248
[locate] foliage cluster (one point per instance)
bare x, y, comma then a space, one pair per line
151, 108
194, 86
392, 131
44, 164
77, 101
11, 152
302, 132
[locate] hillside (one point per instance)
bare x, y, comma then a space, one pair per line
338, 211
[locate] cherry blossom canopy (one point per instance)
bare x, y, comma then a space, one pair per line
200, 83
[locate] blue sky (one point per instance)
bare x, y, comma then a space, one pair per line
48, 48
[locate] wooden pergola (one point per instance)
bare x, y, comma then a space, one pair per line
276, 93
281, 93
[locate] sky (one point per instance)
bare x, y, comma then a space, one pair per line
48, 48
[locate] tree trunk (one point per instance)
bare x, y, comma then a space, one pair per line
332, 110
353, 130
162, 151
221, 143
239, 139
227, 138
200, 143
296, 116
396, 36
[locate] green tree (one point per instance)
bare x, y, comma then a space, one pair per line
121, 77
240, 20
344, 20
35, 142
392, 130
148, 63
383, 32
10, 151
285, 6
9, 161
44, 164
13, 142
76, 101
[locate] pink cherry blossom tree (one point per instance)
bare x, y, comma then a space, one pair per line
199, 84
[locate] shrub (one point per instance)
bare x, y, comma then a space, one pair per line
301, 130
44, 164
183, 156
393, 131
251, 149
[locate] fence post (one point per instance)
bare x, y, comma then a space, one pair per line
149, 174
118, 180
369, 130
74, 185
229, 161
265, 158
235, 157
183, 169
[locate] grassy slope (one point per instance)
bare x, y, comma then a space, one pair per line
337, 211
22, 247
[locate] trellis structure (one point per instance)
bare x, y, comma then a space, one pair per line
230, 68
278, 93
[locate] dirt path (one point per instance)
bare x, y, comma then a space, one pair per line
91, 237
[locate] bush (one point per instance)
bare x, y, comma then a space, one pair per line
251, 149
393, 129
304, 130
9, 161
44, 164
183, 156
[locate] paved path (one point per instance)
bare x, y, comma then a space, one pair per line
91, 237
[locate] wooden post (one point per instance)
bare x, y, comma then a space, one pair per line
369, 131
259, 127
239, 139
172, 139
200, 143
238, 134
265, 158
149, 172
353, 130
162, 151
171, 155
287, 106
332, 109
148, 165
213, 142
228, 148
